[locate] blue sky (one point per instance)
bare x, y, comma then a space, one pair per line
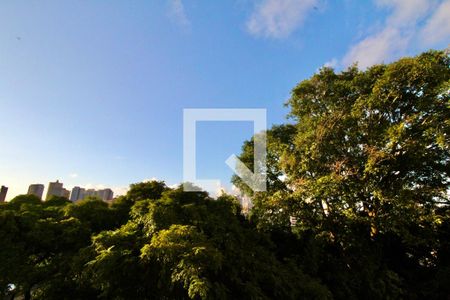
92, 92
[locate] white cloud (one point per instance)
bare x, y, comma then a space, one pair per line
405, 12
332, 63
400, 31
437, 27
119, 190
73, 175
278, 18
390, 42
174, 186
150, 179
177, 13
95, 186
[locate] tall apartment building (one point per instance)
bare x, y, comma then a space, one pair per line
77, 194
90, 193
54, 189
37, 190
105, 194
3, 192
57, 189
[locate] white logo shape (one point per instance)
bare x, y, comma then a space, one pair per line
256, 180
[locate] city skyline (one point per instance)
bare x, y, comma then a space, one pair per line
41, 190
56, 188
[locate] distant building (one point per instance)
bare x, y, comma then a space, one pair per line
74, 194
77, 194
37, 190
3, 192
90, 193
65, 193
54, 189
105, 194
80, 194
57, 189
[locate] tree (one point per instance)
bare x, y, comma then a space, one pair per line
367, 168
146, 190
38, 244
56, 201
373, 144
191, 246
94, 213
26, 200
279, 140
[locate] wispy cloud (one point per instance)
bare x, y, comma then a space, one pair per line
95, 186
279, 18
401, 29
150, 179
332, 63
437, 27
73, 175
405, 12
377, 48
178, 14
119, 190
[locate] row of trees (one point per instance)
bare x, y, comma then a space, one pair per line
357, 206
153, 243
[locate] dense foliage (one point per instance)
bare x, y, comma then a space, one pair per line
173, 245
357, 206
363, 173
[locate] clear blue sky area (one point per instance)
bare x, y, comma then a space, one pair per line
92, 92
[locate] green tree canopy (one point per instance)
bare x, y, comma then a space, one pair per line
366, 167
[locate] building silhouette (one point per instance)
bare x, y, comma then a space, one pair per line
57, 189
3, 192
77, 194
105, 194
90, 193
37, 190
81, 193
